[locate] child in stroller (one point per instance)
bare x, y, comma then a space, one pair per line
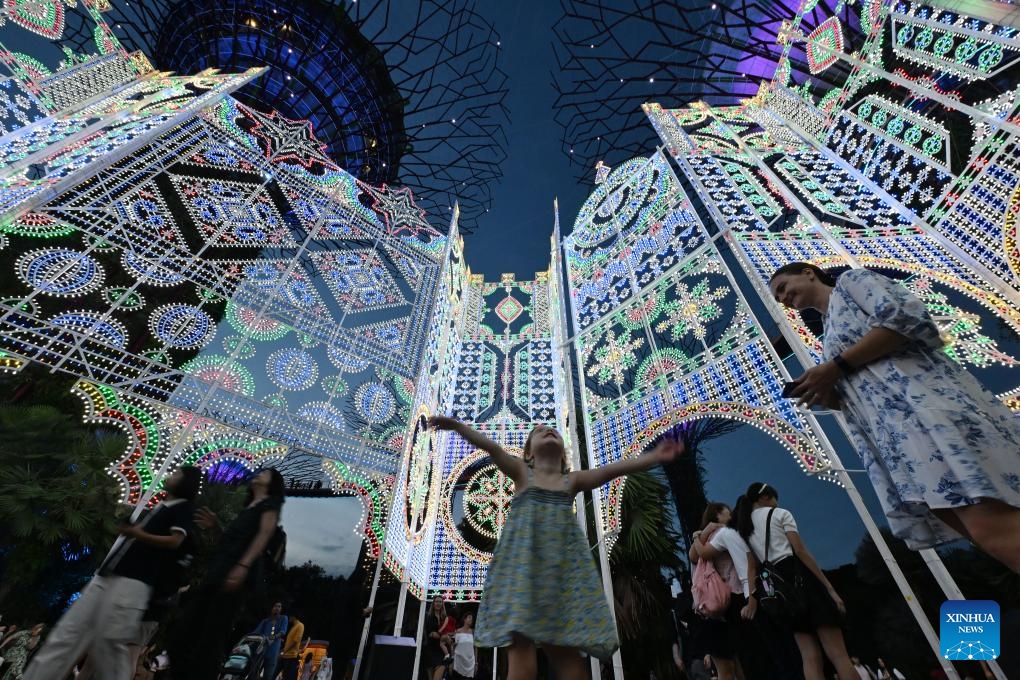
246, 659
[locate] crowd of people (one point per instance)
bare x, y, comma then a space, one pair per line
942, 452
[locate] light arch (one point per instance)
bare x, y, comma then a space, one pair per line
806, 449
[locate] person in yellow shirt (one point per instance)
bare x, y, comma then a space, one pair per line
292, 647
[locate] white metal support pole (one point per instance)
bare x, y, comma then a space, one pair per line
368, 620
495, 659
398, 623
607, 581
422, 608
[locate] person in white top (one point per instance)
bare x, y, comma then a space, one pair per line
464, 662
729, 553
789, 558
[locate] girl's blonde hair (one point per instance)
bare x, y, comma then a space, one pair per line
529, 458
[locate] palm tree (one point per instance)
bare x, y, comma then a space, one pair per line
58, 503
686, 474
643, 561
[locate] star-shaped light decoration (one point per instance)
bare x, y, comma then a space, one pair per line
399, 210
285, 140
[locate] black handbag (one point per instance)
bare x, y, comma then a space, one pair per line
782, 600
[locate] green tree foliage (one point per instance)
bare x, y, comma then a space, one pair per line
59, 506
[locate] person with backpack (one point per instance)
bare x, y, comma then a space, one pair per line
235, 571
106, 620
807, 602
720, 586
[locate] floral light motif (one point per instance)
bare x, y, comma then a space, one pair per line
487, 501
965, 343
691, 310
615, 357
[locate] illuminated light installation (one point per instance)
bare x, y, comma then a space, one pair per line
869, 175
394, 97
665, 335
493, 360
905, 162
222, 290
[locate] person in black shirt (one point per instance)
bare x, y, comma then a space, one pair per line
106, 620
234, 571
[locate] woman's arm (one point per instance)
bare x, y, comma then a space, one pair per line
751, 608
815, 385
586, 480
239, 572
511, 466
809, 561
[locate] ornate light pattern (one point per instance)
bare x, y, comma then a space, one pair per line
671, 339
487, 500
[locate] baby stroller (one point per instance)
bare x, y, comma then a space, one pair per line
246, 659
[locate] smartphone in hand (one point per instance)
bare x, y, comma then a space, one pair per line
788, 388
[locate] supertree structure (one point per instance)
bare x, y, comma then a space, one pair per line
612, 57
412, 98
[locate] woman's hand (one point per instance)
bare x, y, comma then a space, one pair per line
838, 601
444, 423
235, 578
666, 451
206, 519
817, 386
750, 609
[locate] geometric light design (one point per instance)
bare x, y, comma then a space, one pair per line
509, 309
418, 482
94, 326
323, 413
292, 369
487, 501
222, 371
399, 211
181, 326
284, 140
45, 17
375, 402
246, 321
824, 45
59, 272
358, 279
346, 361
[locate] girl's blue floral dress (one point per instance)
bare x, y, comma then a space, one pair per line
929, 435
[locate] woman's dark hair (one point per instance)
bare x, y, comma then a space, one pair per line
463, 617
275, 489
745, 504
712, 511
798, 267
191, 482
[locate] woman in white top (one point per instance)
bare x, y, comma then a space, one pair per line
791, 559
464, 649
729, 554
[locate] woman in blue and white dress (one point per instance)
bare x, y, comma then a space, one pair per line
942, 452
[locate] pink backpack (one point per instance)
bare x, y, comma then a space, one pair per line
710, 591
